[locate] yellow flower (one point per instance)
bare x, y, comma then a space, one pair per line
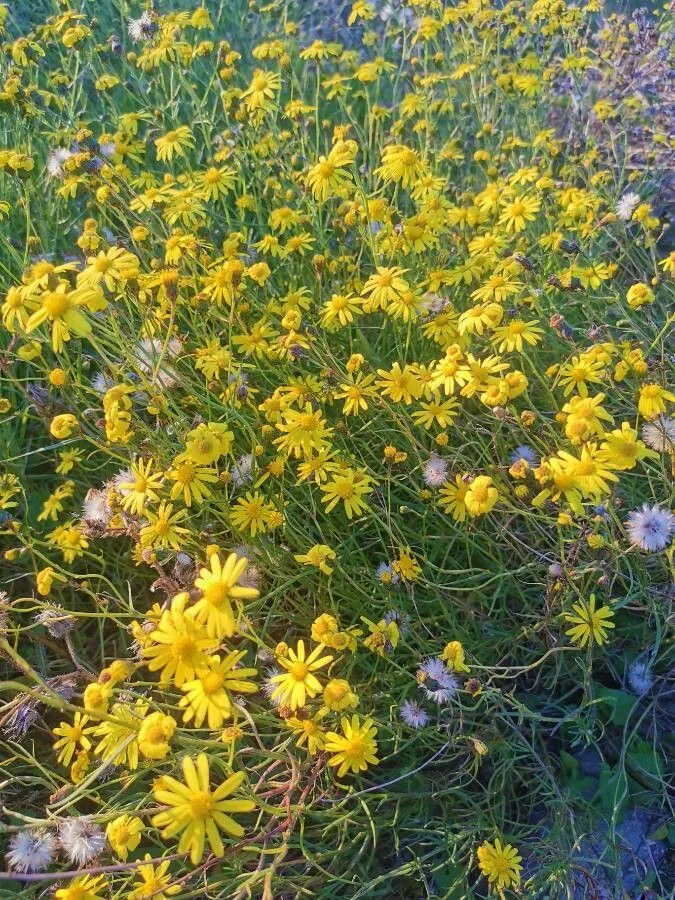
299, 682
500, 864
96, 697
348, 486
154, 735
62, 426
383, 637
190, 480
453, 656
304, 432
308, 732
179, 644
317, 556
177, 141
406, 566
80, 766
218, 587
338, 695
517, 213
119, 734
452, 498
589, 625
196, 812
622, 450
71, 737
328, 177
323, 628
515, 334
402, 165
85, 887
208, 442
124, 834
638, 295
141, 488
252, 513
355, 748
153, 882
481, 496
259, 95
209, 695
652, 400
60, 307
45, 579
163, 529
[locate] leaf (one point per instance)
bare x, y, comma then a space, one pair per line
570, 767
612, 789
621, 703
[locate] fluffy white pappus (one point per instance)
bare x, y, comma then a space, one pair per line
437, 681
627, 206
241, 470
435, 472
650, 528
81, 840
56, 161
95, 507
269, 686
150, 358
101, 383
251, 577
142, 28
659, 435
124, 476
31, 851
413, 714
640, 677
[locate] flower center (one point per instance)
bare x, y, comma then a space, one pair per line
201, 805
212, 682
183, 647
299, 671
354, 747
216, 593
55, 304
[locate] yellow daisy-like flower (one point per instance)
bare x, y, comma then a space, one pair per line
124, 834
70, 737
155, 733
196, 812
177, 141
179, 644
589, 625
153, 882
500, 863
317, 556
86, 887
355, 748
298, 682
260, 94
218, 586
350, 487
481, 496
209, 695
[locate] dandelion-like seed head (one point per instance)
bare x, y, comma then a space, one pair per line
435, 472
659, 434
31, 850
81, 840
640, 677
414, 715
650, 528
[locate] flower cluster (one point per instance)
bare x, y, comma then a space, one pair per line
340, 401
